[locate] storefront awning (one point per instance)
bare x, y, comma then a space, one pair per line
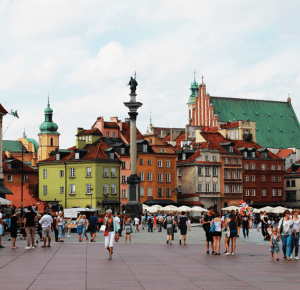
162, 202
3, 189
107, 202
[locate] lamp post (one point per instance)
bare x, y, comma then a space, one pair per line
92, 197
22, 183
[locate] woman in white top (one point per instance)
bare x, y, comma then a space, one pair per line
296, 226
218, 222
286, 233
59, 226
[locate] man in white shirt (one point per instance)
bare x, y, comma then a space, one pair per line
137, 224
1, 227
117, 219
47, 226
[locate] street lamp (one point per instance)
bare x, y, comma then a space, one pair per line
105, 199
23, 151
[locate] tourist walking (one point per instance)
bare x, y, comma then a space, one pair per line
264, 225
54, 218
93, 221
59, 227
22, 231
217, 234
150, 223
170, 222
160, 220
296, 226
85, 226
30, 224
183, 226
1, 228
127, 226
206, 226
246, 222
231, 224
239, 219
286, 233
14, 227
274, 240
111, 230
80, 223
47, 226
143, 221
136, 224
118, 221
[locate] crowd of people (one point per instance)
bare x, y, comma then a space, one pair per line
54, 225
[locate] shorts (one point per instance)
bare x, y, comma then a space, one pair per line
46, 232
13, 233
209, 236
233, 234
217, 234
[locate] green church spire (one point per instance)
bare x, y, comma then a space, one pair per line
48, 127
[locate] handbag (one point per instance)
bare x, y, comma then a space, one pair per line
212, 228
227, 232
106, 232
103, 228
117, 238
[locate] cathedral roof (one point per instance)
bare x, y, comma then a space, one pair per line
48, 126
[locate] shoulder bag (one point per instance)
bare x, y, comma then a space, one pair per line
106, 232
212, 228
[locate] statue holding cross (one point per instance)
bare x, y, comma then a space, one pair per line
133, 84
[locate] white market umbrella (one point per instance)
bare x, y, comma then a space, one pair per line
232, 207
4, 201
278, 209
267, 209
199, 209
170, 208
154, 208
184, 208
145, 206
256, 210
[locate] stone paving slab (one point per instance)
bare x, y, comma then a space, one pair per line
144, 266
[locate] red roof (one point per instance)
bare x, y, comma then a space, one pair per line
112, 125
2, 110
126, 133
178, 140
229, 125
285, 153
94, 131
168, 138
26, 168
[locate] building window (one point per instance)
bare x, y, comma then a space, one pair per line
72, 188
62, 190
246, 192
9, 178
113, 189
168, 164
225, 161
232, 174
278, 178
279, 166
164, 150
239, 189
215, 171
226, 173
238, 174
141, 161
159, 163
124, 178
214, 187
252, 192
245, 154
207, 187
160, 193
160, 177
114, 135
111, 155
183, 156
273, 178
263, 192
207, 171
252, 178
88, 189
214, 158
237, 134
149, 191
150, 141
122, 151
293, 183
142, 191
113, 172
61, 173
105, 189
149, 176
168, 192
252, 166
45, 190
200, 187
273, 192
107, 134
124, 192
246, 178
145, 148
149, 161
44, 173
77, 156
179, 173
239, 161
231, 135
263, 167
57, 157
105, 172
263, 178
273, 167
90, 138
142, 176
159, 150
279, 192
25, 177
206, 157
88, 172
123, 164
232, 188
199, 170
230, 149
246, 166
287, 183
168, 177
232, 161
72, 172
226, 188
253, 154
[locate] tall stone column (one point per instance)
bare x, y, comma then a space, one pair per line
134, 206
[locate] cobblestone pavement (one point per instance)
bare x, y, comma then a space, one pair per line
147, 263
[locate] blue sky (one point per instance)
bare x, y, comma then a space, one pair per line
82, 53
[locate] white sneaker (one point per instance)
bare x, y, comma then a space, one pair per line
32, 247
291, 256
296, 258
27, 248
69, 236
226, 254
232, 254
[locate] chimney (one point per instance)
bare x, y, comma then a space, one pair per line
79, 130
289, 100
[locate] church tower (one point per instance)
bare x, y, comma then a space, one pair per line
48, 136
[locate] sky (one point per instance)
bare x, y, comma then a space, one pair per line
82, 54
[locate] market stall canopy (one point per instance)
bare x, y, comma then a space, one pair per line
199, 209
154, 208
229, 208
256, 210
185, 208
170, 208
267, 209
4, 201
145, 206
279, 209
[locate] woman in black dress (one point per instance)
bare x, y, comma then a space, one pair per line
264, 224
14, 221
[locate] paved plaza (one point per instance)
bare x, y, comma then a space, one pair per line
147, 263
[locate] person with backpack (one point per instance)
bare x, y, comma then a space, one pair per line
206, 226
285, 232
150, 223
160, 220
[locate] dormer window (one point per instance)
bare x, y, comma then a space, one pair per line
150, 141
77, 156
206, 157
114, 135
90, 138
107, 134
111, 155
230, 148
245, 154
144, 148
159, 150
57, 157
164, 150
253, 154
122, 151
183, 156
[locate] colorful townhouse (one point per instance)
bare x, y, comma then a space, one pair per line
86, 175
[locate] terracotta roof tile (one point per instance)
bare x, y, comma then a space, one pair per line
112, 125
229, 125
126, 133
94, 131
168, 138
26, 168
285, 153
